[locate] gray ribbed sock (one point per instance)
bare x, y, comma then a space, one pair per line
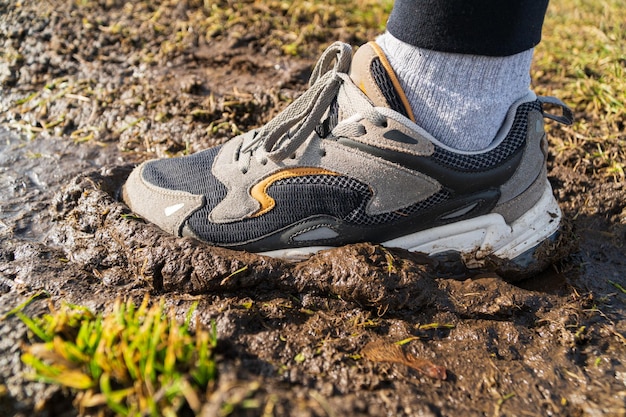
460, 99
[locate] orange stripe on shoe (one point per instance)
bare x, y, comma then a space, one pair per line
394, 79
259, 190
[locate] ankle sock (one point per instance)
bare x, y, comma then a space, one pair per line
460, 99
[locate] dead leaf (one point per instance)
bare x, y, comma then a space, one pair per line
381, 351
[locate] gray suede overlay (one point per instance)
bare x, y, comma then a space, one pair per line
238, 204
394, 187
374, 137
513, 209
532, 163
168, 209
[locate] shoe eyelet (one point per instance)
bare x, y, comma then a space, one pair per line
322, 152
264, 161
293, 156
384, 124
244, 171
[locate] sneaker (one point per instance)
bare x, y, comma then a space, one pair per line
345, 163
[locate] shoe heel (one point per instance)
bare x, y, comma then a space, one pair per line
529, 263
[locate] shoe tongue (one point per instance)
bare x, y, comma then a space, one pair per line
372, 73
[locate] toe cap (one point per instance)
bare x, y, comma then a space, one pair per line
164, 207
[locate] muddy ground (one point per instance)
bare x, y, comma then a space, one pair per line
88, 89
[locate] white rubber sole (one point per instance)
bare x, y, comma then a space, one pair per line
474, 239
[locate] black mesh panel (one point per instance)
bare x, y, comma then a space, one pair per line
515, 139
191, 173
381, 77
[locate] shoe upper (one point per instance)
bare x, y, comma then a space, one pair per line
343, 163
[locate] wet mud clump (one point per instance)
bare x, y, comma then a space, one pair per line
101, 233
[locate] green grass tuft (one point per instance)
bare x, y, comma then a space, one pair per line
135, 361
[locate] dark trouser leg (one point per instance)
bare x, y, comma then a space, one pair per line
477, 27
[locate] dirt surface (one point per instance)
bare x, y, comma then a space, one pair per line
90, 88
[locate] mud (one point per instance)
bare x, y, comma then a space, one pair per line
358, 330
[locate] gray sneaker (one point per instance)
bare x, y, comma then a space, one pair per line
345, 163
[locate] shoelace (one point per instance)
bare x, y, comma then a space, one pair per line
285, 133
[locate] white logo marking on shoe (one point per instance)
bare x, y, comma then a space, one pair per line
460, 212
173, 209
322, 232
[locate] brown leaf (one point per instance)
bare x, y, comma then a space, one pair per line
381, 351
